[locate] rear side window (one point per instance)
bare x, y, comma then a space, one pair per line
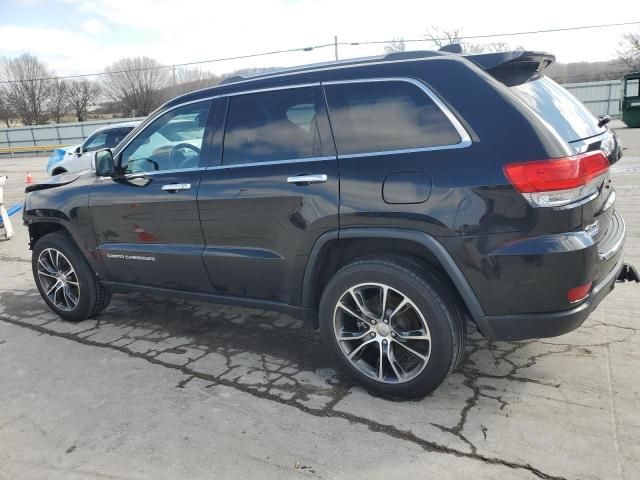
564, 112
116, 135
379, 116
275, 125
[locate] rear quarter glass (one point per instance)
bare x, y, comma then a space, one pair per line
559, 108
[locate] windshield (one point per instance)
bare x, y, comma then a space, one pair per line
571, 119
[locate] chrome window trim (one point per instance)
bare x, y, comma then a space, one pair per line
270, 89
273, 162
465, 138
153, 117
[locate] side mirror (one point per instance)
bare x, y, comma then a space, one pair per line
78, 151
105, 166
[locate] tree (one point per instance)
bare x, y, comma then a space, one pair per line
186, 80
82, 93
59, 98
5, 111
629, 51
395, 45
27, 87
441, 38
136, 84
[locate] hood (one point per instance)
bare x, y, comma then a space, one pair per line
55, 181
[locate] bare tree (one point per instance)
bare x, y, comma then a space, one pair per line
136, 84
395, 45
82, 93
27, 87
441, 38
186, 80
59, 98
5, 111
629, 51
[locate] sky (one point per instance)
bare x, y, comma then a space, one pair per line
84, 36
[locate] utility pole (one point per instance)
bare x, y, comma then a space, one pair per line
174, 75
335, 45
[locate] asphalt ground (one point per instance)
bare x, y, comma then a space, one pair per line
159, 388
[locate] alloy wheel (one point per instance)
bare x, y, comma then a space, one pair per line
382, 332
58, 279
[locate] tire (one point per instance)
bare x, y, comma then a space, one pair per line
425, 300
77, 294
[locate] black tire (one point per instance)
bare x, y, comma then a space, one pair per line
429, 292
92, 298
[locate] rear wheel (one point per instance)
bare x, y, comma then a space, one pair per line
392, 325
65, 279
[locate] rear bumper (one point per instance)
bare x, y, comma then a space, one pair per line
548, 324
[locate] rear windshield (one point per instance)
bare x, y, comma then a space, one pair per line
571, 119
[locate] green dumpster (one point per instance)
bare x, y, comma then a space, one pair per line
630, 102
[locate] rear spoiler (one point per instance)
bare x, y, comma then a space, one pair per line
513, 68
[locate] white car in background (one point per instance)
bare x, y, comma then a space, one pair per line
77, 158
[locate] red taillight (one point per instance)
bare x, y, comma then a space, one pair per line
579, 293
557, 173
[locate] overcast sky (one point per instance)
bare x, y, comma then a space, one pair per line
81, 36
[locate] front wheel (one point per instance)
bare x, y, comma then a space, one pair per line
392, 325
65, 279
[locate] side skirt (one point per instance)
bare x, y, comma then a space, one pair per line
296, 312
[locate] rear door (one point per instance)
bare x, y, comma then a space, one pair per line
272, 192
146, 221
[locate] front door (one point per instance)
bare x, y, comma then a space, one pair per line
273, 192
146, 220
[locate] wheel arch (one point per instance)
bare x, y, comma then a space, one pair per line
335, 249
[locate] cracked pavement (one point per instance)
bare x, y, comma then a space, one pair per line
165, 388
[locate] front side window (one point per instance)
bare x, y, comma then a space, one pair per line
95, 142
274, 125
172, 141
368, 117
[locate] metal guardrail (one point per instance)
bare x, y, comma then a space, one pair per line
44, 138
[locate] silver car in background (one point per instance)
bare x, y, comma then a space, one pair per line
78, 158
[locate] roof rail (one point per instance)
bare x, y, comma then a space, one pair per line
413, 54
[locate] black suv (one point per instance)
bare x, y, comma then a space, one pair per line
384, 199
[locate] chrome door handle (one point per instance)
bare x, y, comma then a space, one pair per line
174, 187
317, 178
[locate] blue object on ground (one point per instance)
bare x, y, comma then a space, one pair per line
15, 209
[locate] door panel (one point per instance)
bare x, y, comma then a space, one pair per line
258, 226
146, 218
149, 236
259, 229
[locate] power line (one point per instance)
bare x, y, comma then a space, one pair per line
493, 35
186, 64
334, 44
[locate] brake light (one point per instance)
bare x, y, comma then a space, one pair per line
558, 181
579, 293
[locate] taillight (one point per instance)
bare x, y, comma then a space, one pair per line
558, 181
